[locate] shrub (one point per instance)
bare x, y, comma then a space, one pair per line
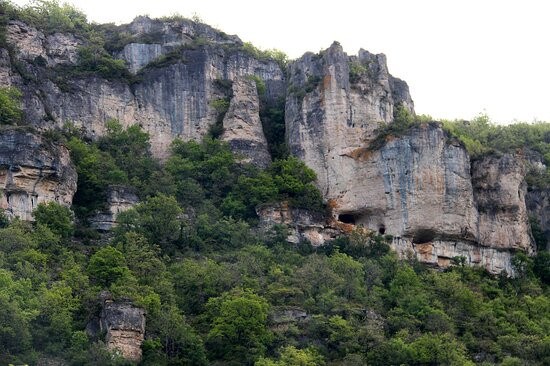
56, 217
10, 106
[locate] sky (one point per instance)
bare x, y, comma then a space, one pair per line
459, 57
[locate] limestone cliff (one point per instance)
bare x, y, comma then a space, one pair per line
331, 111
169, 100
33, 170
417, 187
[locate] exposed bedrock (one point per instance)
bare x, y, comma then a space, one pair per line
119, 199
33, 170
124, 326
173, 100
331, 111
242, 125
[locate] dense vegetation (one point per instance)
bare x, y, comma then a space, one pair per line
217, 293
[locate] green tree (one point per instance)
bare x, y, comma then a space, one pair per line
292, 356
107, 266
158, 219
238, 326
175, 342
56, 217
10, 106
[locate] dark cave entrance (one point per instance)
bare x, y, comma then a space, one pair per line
347, 218
382, 230
423, 236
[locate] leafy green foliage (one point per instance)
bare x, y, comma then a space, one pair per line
356, 70
279, 56
94, 59
481, 136
55, 217
107, 266
52, 17
291, 356
239, 326
10, 106
158, 219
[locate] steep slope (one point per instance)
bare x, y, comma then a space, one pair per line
170, 98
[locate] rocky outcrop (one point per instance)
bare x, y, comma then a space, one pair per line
119, 199
170, 100
303, 225
34, 46
419, 189
33, 170
335, 104
124, 326
499, 191
242, 126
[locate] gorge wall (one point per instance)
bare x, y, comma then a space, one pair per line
33, 170
419, 186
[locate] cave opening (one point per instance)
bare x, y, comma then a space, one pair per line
382, 230
423, 236
347, 218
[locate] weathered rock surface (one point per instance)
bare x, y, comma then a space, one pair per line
499, 192
328, 116
538, 205
34, 46
418, 188
302, 224
33, 170
242, 125
171, 101
119, 199
124, 325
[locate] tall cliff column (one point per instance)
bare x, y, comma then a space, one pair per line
242, 125
334, 105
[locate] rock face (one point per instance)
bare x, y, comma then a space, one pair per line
34, 46
538, 205
119, 199
124, 325
419, 189
302, 224
499, 192
33, 170
242, 125
170, 100
331, 111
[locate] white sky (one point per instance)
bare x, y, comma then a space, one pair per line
459, 57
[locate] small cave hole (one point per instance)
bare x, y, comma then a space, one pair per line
382, 230
347, 218
423, 236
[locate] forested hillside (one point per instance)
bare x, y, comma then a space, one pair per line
217, 288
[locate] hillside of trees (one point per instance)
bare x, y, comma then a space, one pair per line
218, 292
